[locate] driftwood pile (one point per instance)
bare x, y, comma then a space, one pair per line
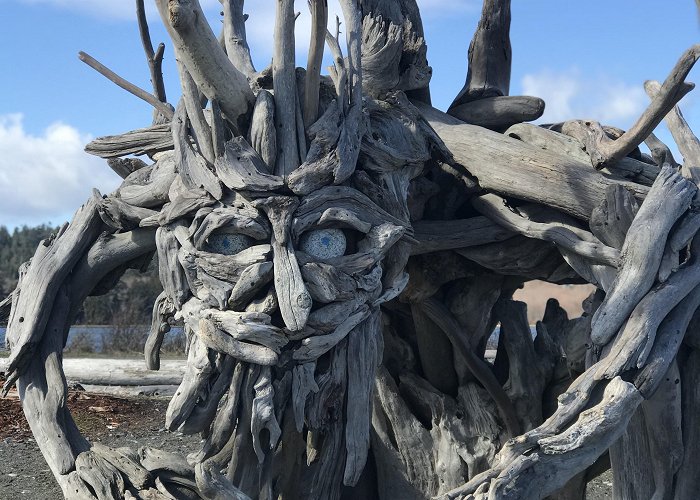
339, 252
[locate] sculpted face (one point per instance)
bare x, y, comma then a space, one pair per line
282, 278
278, 282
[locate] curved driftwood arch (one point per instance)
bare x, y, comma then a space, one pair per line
378, 242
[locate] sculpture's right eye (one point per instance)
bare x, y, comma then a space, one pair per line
227, 243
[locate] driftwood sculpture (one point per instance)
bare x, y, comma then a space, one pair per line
339, 252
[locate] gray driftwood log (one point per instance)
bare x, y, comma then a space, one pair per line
339, 253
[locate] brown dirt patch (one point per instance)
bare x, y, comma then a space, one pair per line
95, 414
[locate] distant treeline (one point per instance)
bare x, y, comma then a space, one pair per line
129, 303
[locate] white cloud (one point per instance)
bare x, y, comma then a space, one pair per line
46, 178
569, 94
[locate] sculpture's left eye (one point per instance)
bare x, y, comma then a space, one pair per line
323, 243
227, 243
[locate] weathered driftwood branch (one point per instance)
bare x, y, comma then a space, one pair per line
200, 128
435, 236
550, 139
513, 168
667, 200
442, 317
153, 58
165, 109
489, 59
499, 112
235, 38
660, 152
570, 238
319, 23
51, 265
285, 87
688, 144
138, 142
210, 68
604, 151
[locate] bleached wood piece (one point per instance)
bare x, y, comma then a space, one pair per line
204, 412
123, 167
512, 168
526, 382
552, 140
688, 144
102, 477
563, 455
319, 23
142, 141
687, 483
499, 112
163, 312
118, 215
315, 346
669, 197
294, 300
444, 319
243, 466
198, 369
214, 485
253, 327
434, 236
572, 239
604, 151
171, 274
193, 105
154, 58
364, 353
192, 167
660, 152
151, 191
263, 136
138, 476
489, 58
212, 71
41, 283
222, 342
230, 267
165, 109
240, 168
611, 220
636, 338
284, 80
679, 239
235, 37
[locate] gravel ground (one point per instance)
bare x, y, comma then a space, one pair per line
112, 421
133, 422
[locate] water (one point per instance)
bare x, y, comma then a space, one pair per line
95, 336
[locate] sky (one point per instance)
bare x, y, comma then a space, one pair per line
585, 59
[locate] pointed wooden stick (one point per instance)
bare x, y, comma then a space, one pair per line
165, 109
235, 37
153, 58
285, 87
319, 23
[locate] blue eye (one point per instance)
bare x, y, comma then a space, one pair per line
323, 243
227, 243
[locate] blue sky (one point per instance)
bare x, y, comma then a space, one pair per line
586, 59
